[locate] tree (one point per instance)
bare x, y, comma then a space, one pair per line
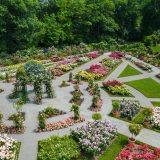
151, 16
128, 16
21, 28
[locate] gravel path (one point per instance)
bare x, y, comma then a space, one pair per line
30, 139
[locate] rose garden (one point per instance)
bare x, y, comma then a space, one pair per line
89, 106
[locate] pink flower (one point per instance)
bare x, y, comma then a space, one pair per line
114, 55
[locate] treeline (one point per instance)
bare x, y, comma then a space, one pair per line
42, 23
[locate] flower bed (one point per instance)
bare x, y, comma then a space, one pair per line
155, 118
98, 68
114, 55
56, 59
143, 152
96, 103
95, 136
93, 54
18, 127
88, 75
116, 88
8, 148
70, 121
11, 129
110, 62
58, 148
143, 66
51, 112
126, 109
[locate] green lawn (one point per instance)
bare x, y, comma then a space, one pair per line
156, 104
129, 71
115, 148
149, 87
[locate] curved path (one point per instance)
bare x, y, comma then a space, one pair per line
30, 139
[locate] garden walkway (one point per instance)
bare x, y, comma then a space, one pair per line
29, 139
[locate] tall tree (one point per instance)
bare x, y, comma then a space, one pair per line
22, 27
151, 17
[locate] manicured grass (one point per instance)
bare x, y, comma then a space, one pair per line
149, 87
129, 71
139, 119
115, 148
155, 103
18, 145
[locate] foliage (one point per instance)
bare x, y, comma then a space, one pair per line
147, 112
43, 24
96, 116
42, 120
135, 129
1, 117
75, 109
58, 148
18, 120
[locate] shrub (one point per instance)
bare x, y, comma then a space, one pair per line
97, 116
1, 117
49, 111
112, 83
8, 147
18, 120
75, 109
58, 148
129, 109
135, 129
116, 106
42, 120
147, 112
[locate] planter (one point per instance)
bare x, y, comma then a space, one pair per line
116, 113
146, 123
131, 140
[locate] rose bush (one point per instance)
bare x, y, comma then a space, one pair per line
116, 88
143, 152
95, 136
155, 119
7, 147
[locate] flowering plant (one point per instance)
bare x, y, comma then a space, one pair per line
112, 83
110, 62
70, 121
93, 55
98, 68
155, 119
95, 136
116, 87
129, 109
65, 67
7, 148
143, 152
89, 76
114, 55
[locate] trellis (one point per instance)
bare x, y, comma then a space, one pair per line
34, 73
